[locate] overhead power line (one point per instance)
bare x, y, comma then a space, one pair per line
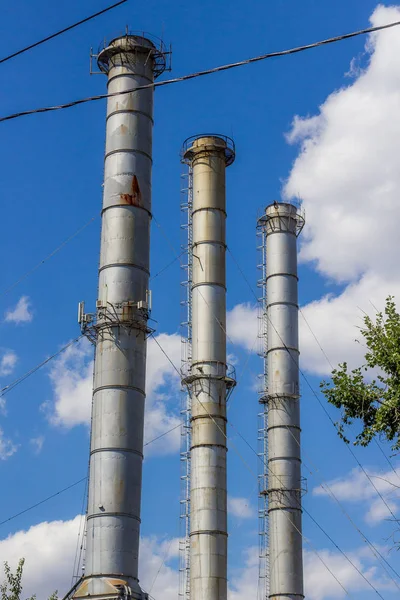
332, 367
329, 490
307, 512
22, 512
356, 568
373, 548
61, 246
54, 35
219, 69
314, 393
46, 258
316, 396
13, 384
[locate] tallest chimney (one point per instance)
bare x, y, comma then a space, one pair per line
119, 327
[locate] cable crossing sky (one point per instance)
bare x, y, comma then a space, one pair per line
247, 61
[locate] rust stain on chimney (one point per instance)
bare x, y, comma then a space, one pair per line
135, 197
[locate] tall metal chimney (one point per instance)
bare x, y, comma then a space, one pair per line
119, 327
280, 226
208, 378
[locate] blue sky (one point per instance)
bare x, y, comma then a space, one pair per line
339, 156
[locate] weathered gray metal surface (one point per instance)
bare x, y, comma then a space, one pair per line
208, 156
282, 224
115, 482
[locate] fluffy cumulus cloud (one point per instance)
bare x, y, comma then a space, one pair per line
347, 174
379, 504
72, 379
244, 581
163, 392
49, 551
21, 313
71, 376
243, 326
322, 584
8, 361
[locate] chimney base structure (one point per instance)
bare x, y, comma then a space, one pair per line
208, 378
119, 327
281, 482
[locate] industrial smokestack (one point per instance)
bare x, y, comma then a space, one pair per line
280, 226
119, 327
208, 378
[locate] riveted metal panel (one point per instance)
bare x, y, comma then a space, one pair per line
281, 226
207, 156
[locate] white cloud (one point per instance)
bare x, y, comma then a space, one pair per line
72, 380
49, 551
155, 575
7, 362
244, 581
321, 585
71, 376
22, 313
356, 488
37, 444
242, 326
7, 447
347, 170
240, 508
336, 320
348, 177
347, 174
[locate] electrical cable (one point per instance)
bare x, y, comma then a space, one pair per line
251, 471
162, 435
166, 237
64, 243
319, 401
347, 445
167, 266
75, 570
73, 484
316, 339
163, 561
387, 459
397, 487
373, 548
54, 35
247, 61
22, 512
177, 256
364, 537
326, 487
307, 512
12, 385
243, 460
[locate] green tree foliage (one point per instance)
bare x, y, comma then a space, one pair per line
370, 394
11, 588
